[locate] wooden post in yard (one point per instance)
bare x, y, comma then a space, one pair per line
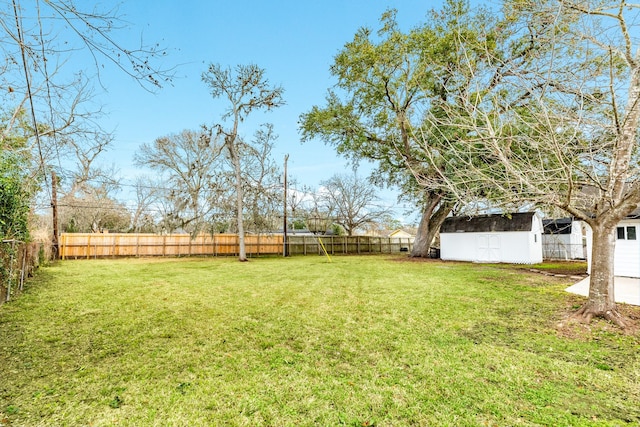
284, 242
54, 214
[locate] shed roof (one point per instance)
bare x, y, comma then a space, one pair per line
485, 223
557, 226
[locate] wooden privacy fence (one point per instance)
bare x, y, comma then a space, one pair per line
90, 245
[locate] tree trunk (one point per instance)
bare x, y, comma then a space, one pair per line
235, 160
601, 301
424, 237
430, 224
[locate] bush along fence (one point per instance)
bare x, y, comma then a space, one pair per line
18, 260
89, 245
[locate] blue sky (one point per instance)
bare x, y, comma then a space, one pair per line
294, 41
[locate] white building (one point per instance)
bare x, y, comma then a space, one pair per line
562, 239
626, 262
516, 238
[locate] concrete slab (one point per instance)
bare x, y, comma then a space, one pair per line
627, 289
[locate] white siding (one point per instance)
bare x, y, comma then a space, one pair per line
627, 253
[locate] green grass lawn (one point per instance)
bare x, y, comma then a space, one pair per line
360, 341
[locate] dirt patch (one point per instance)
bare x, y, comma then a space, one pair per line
567, 268
571, 328
411, 259
408, 258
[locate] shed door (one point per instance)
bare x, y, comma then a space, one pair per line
489, 248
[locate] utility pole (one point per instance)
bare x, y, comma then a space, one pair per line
54, 206
284, 246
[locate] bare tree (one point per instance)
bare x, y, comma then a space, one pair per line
246, 90
147, 192
191, 164
263, 190
37, 40
93, 213
352, 202
319, 218
553, 121
86, 173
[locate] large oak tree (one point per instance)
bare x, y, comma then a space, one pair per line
385, 81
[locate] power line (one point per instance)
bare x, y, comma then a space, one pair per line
29, 94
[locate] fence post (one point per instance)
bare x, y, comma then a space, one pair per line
10, 273
24, 265
89, 246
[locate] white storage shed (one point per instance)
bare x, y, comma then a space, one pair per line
626, 262
516, 238
562, 239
